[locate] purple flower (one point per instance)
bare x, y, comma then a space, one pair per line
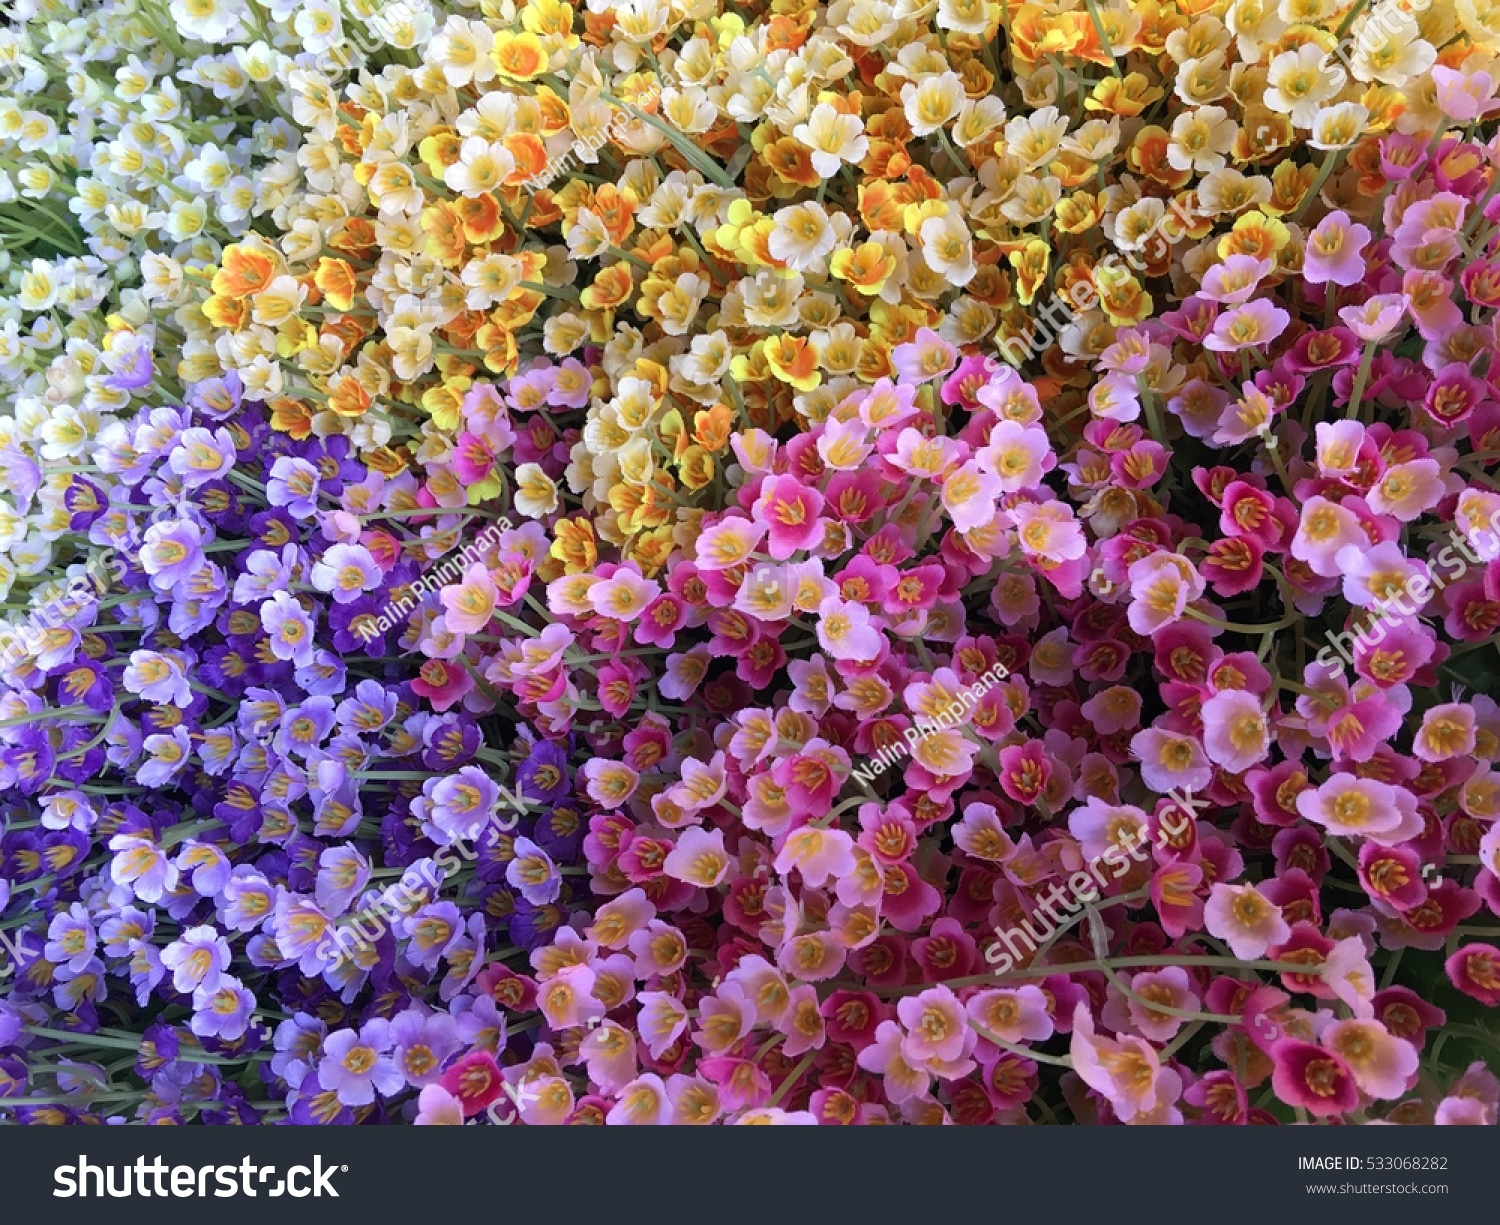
294, 484
290, 628
197, 959
342, 873
159, 677
70, 940
533, 873
130, 365
217, 398
167, 755
357, 1065
544, 774
223, 1011
172, 552
459, 806
142, 866
422, 1043
347, 571
202, 455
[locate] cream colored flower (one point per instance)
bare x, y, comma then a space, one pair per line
1387, 48
931, 103
1300, 81
1200, 139
536, 494
1036, 138
803, 235
948, 248
833, 137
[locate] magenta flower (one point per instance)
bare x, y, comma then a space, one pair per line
1313, 1079
790, 510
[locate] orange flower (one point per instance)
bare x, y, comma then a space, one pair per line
610, 289
229, 313
349, 399
615, 209
794, 360
480, 217
246, 270
711, 430
791, 162
1126, 97
879, 206
866, 267
573, 545
530, 154
291, 417
337, 281
356, 238
1034, 34
1148, 156
445, 234
519, 56
439, 150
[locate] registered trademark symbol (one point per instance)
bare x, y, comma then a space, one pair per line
344, 1168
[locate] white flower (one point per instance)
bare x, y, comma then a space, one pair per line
536, 495
931, 103
1036, 138
1387, 49
948, 248
1200, 139
833, 137
461, 49
802, 236
482, 167
209, 21
1300, 81
319, 26
1339, 126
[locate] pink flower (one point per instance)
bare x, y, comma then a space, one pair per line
1162, 585
1333, 251
1232, 282
1463, 97
818, 854
1326, 527
1377, 317
1016, 1014
1171, 987
469, 605
1353, 807
641, 1103
699, 858
1382, 1065
1251, 326
847, 631
937, 1028
1475, 970
437, 1107
1124, 1070
623, 596
1236, 735
926, 357
885, 1057
1245, 919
